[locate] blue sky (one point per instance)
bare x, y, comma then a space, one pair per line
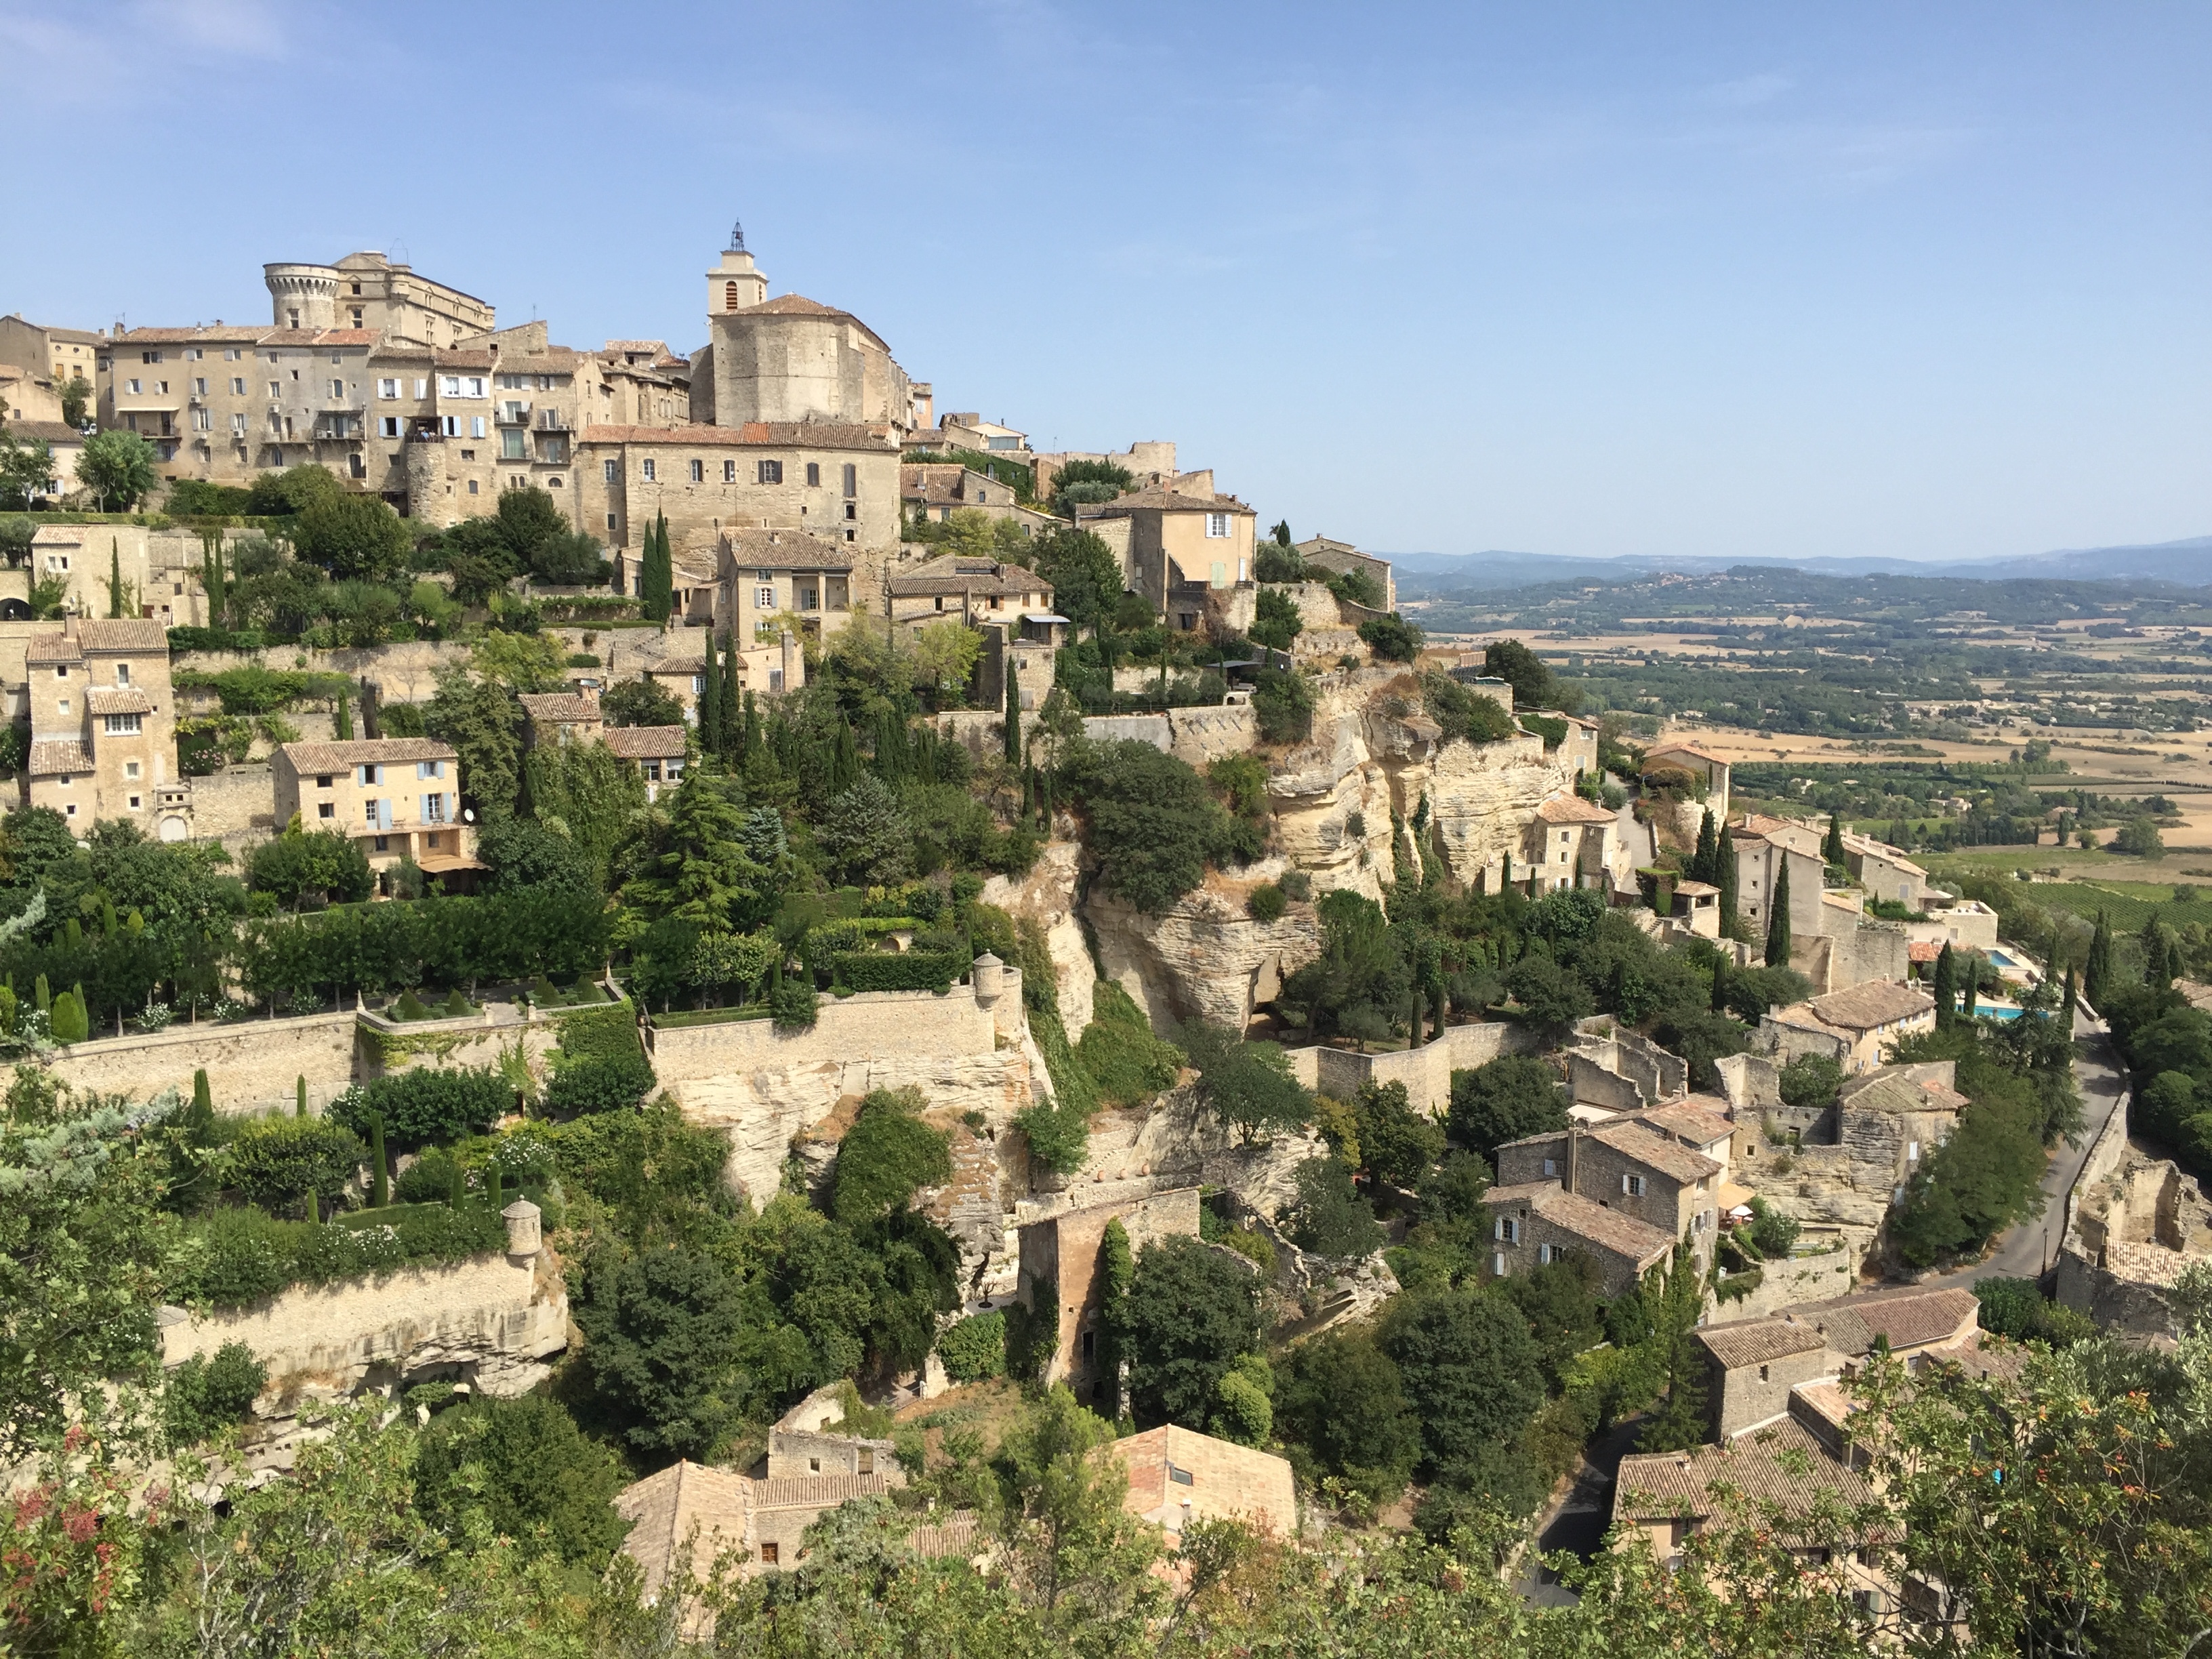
1744, 280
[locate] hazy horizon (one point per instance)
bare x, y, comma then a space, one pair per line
1732, 283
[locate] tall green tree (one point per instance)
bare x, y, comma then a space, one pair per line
483, 721
1706, 863
120, 470
710, 700
1680, 1423
2097, 968
1777, 921
590, 791
1013, 715
1831, 845
730, 731
1946, 988
656, 572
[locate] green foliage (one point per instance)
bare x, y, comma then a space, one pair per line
208, 1393
1534, 685
1277, 620
661, 1325
656, 572
308, 869
1248, 1085
1283, 706
521, 1468
1462, 713
1153, 824
865, 834
975, 1348
1809, 1082
1058, 1133
1470, 1370
887, 1155
1329, 1217
1243, 1410
2016, 1307
69, 1023
1504, 1100
483, 721
1085, 575
1267, 903
232, 1257
1397, 1145
792, 1005
353, 538
1986, 1175
1361, 980
118, 469
1128, 1065
1341, 1405
1190, 1312
280, 1160
1677, 1305
425, 1104
1778, 921
640, 701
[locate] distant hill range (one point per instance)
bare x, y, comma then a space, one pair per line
2187, 562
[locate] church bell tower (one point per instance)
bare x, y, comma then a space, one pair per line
735, 282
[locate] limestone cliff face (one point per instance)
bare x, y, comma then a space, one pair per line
1483, 797
1046, 895
1206, 958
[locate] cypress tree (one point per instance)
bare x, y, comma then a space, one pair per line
1946, 988
1044, 802
1972, 978
2097, 971
656, 578
379, 1177
314, 1206
1414, 1020
1720, 985
1013, 714
1778, 921
202, 1100
1706, 863
1437, 1009
342, 720
1029, 790
1505, 872
844, 760
1832, 849
299, 1098
114, 577
732, 728
2158, 962
457, 1190
710, 702
2072, 1000
1725, 878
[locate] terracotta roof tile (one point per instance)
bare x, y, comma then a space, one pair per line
1863, 1007
1573, 809
51, 432
1142, 500
1666, 1156
1910, 1317
1763, 1468
1743, 1342
646, 742
1570, 1213
798, 305
756, 549
122, 634
360, 751
59, 759
559, 707
1688, 1122
1675, 748
119, 700
955, 572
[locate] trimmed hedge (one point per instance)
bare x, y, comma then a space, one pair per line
427, 1105
885, 970
236, 1256
599, 1083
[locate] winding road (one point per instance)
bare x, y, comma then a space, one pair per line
2030, 1249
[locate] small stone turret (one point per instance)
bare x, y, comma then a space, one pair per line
525, 1228
989, 976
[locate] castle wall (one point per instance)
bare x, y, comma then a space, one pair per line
253, 1066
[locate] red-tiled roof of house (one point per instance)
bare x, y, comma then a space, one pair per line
1908, 1317
1138, 500
122, 634
119, 700
1669, 1157
363, 752
1623, 1235
646, 742
798, 305
53, 758
1573, 809
1675, 747
1784, 1464
1741, 1342
956, 572
51, 649
756, 549
1863, 1007
559, 707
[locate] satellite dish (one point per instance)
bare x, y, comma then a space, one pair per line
468, 815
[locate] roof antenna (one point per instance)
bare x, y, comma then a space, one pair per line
737, 236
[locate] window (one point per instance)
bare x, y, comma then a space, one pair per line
851, 510
553, 483
652, 771
771, 472
130, 770
123, 674
698, 683
134, 385
513, 444
434, 808
237, 385
429, 768
275, 388
1509, 1230
814, 475
326, 810
764, 598
382, 844
1497, 1264
476, 426
124, 726
1762, 1373
1216, 524
338, 388
768, 1551
193, 354
611, 471
134, 803
852, 480
1550, 1167
389, 427
149, 356
389, 388
203, 421
472, 486
1632, 1185
698, 472
230, 355
369, 777
199, 386
422, 386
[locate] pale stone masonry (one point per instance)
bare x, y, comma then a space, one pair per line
790, 358
103, 724
1851, 1027
1058, 1274
394, 798
1177, 1475
1181, 547
838, 482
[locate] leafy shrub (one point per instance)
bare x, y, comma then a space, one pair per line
522, 1464
886, 1156
975, 1348
279, 1160
1330, 1218
1057, 1131
904, 970
1462, 713
792, 1005
1810, 1081
1154, 824
2016, 1308
234, 1256
68, 1022
208, 1393
428, 1104
1391, 638
1254, 1246
600, 1082
1283, 706
429, 1179
1267, 903
1123, 1059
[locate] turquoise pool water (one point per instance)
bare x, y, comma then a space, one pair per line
2002, 959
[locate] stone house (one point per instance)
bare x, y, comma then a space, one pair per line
937, 489
1709, 768
104, 726
1888, 874
1177, 1475
1960, 922
1181, 546
658, 752
642, 383
1056, 1278
790, 359
56, 355
366, 290
1700, 1122
550, 717
394, 798
1851, 1027
768, 670
716, 1514
1148, 462
1533, 1223
1764, 847
1573, 842
966, 429
837, 483
1627, 1167
1341, 558
65, 444
27, 397
976, 592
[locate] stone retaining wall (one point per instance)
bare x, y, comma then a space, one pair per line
253, 1066
1426, 1070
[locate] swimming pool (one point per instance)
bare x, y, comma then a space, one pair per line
2002, 959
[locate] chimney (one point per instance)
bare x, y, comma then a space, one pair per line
1574, 1152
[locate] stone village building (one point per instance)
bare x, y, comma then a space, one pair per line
103, 726
393, 798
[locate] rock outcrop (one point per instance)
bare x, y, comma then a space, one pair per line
1207, 957
1047, 896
